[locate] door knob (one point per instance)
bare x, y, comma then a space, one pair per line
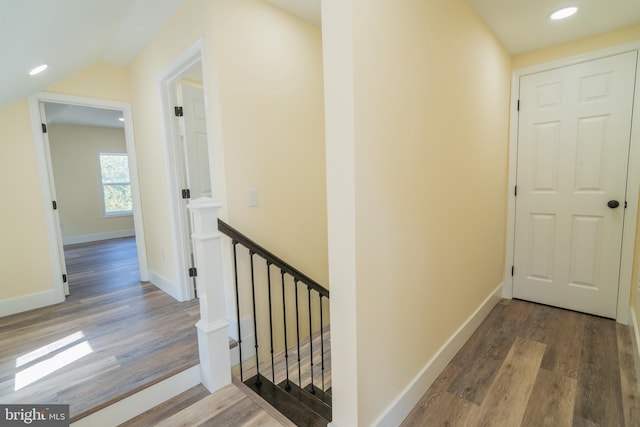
613, 204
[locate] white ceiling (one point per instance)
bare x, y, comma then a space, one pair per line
70, 35
64, 114
524, 25
309, 10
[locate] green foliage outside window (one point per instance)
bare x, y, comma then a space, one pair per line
116, 186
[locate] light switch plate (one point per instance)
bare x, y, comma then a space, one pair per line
253, 197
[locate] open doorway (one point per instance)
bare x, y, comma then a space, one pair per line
189, 154
90, 173
79, 112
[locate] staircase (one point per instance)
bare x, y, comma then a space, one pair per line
287, 351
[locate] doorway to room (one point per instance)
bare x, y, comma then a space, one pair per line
92, 186
97, 177
574, 133
190, 155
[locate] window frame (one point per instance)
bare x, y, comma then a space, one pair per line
112, 214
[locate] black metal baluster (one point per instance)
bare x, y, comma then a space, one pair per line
322, 342
235, 268
313, 390
286, 346
295, 285
273, 370
255, 328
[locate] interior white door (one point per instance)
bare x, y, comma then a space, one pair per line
573, 148
195, 147
52, 189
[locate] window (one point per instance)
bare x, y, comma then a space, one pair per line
116, 186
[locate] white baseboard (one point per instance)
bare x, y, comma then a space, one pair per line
84, 238
635, 341
142, 401
409, 397
164, 284
30, 302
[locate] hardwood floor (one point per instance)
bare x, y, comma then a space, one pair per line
99, 268
231, 406
526, 365
533, 365
112, 337
237, 404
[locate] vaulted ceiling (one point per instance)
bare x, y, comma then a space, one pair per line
70, 35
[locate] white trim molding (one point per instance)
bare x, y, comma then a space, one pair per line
29, 302
166, 80
635, 341
84, 238
142, 401
409, 397
165, 284
633, 176
45, 180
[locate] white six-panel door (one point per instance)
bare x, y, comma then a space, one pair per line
573, 147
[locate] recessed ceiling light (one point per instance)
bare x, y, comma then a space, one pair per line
564, 13
38, 69
121, 119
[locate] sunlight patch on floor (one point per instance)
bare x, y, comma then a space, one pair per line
58, 361
49, 348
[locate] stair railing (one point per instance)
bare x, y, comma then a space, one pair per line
294, 286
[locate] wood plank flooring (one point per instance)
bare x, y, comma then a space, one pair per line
237, 404
533, 365
231, 406
526, 365
99, 268
112, 337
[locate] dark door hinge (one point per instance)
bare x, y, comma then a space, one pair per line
186, 193
44, 128
179, 111
625, 204
513, 269
55, 205
64, 278
518, 105
193, 272
515, 191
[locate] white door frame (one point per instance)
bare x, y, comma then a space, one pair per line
167, 80
44, 166
633, 175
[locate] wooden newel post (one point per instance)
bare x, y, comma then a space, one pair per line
213, 328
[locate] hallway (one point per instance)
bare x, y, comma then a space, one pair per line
533, 365
112, 337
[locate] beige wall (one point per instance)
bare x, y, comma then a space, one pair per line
431, 98
23, 230
270, 126
635, 277
589, 44
24, 236
263, 83
270, 73
74, 154
100, 80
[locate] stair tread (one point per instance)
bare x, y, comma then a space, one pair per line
286, 404
313, 402
324, 396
